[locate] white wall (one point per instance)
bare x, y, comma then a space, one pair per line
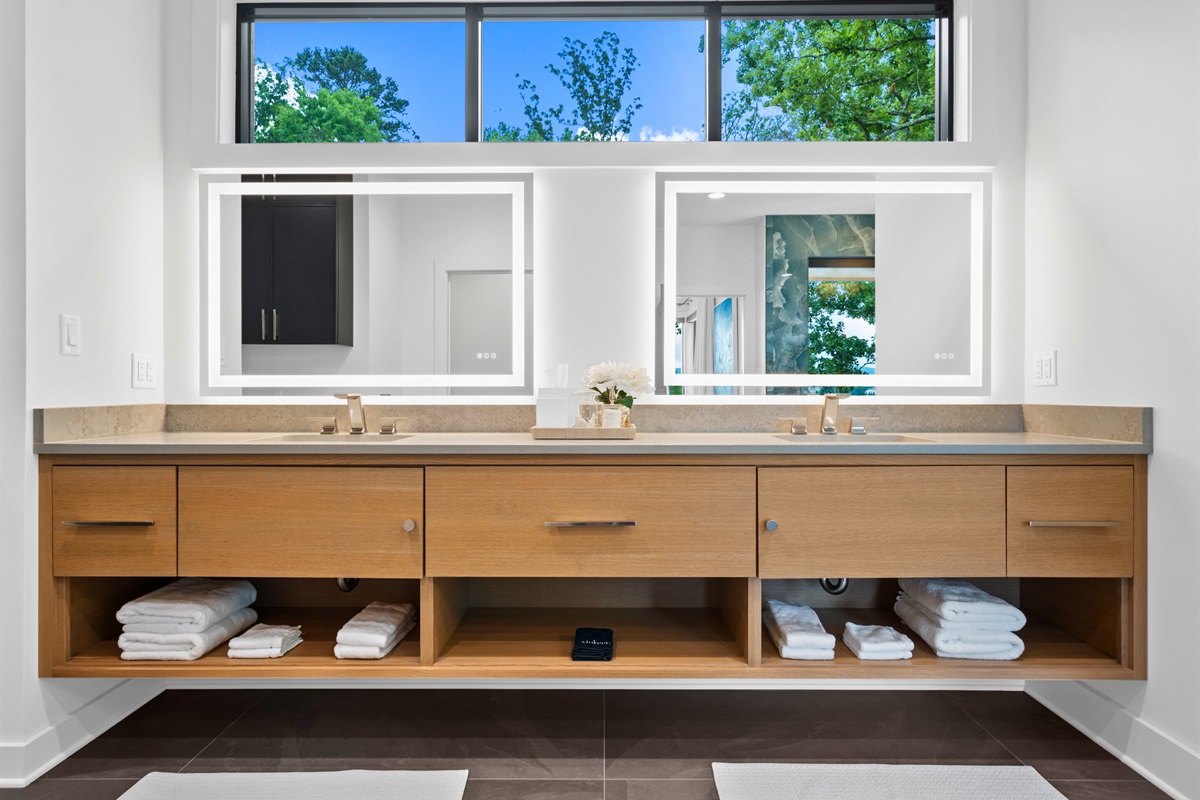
84, 146
721, 260
1113, 284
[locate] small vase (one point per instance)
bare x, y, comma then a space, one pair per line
614, 415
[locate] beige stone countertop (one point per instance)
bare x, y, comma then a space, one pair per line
484, 444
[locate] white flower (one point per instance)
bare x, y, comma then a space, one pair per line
612, 375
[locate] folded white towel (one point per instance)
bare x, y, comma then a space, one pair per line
376, 624
269, 637
801, 653
366, 651
960, 642
263, 652
877, 642
183, 646
962, 602
799, 626
188, 605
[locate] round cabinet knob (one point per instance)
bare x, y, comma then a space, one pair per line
410, 525
771, 525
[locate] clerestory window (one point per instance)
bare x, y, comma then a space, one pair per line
581, 72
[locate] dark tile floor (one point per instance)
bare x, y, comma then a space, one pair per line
581, 745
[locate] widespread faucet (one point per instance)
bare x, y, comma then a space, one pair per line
358, 417
829, 414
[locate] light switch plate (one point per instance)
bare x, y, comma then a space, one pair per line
1045, 368
70, 334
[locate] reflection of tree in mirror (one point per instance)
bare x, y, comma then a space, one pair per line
830, 80
327, 95
597, 77
831, 350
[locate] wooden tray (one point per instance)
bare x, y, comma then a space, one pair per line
584, 433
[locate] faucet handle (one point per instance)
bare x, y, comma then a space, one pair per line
858, 425
328, 425
797, 426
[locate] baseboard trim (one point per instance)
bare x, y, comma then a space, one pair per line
25, 763
1157, 756
657, 684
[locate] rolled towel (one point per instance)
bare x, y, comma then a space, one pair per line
798, 653
265, 641
799, 626
367, 651
188, 605
184, 646
877, 642
962, 602
375, 625
983, 645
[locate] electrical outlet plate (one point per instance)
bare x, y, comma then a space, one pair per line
1045, 368
143, 371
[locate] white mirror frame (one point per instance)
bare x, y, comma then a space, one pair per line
673, 188
218, 190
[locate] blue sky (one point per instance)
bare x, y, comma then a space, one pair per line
427, 61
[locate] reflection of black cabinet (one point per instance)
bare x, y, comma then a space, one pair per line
297, 269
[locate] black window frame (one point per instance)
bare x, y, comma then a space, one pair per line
713, 14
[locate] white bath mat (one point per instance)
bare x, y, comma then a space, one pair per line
879, 782
348, 785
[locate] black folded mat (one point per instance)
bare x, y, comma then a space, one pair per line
593, 644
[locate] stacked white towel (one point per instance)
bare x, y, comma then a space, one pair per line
877, 642
265, 641
376, 630
185, 619
960, 620
798, 632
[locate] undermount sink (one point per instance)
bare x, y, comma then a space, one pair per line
853, 438
332, 438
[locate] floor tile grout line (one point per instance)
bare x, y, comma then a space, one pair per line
224, 730
984, 728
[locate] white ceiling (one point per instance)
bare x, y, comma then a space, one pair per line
742, 209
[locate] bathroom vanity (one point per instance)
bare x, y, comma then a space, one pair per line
673, 540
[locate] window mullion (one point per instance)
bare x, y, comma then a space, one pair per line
474, 85
712, 52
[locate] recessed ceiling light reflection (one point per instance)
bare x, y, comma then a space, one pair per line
715, 195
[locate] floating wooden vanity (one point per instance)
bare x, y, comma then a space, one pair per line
496, 551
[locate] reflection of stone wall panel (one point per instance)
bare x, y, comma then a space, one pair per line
793, 239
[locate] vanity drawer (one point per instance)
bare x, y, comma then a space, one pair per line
301, 522
111, 521
881, 522
524, 521
1070, 522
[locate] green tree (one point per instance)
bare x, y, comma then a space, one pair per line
597, 77
838, 80
327, 95
346, 68
832, 351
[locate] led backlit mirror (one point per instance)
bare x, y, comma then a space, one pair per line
813, 286
368, 283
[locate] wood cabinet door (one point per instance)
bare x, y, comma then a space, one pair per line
1072, 522
881, 522
113, 521
302, 522
590, 521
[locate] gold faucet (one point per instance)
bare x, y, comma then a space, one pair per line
358, 417
829, 414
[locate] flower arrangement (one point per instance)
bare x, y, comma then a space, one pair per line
617, 383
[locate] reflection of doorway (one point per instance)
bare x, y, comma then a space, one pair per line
473, 300
709, 339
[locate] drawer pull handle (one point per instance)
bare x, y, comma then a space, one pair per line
771, 525
140, 523
1036, 523
607, 524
